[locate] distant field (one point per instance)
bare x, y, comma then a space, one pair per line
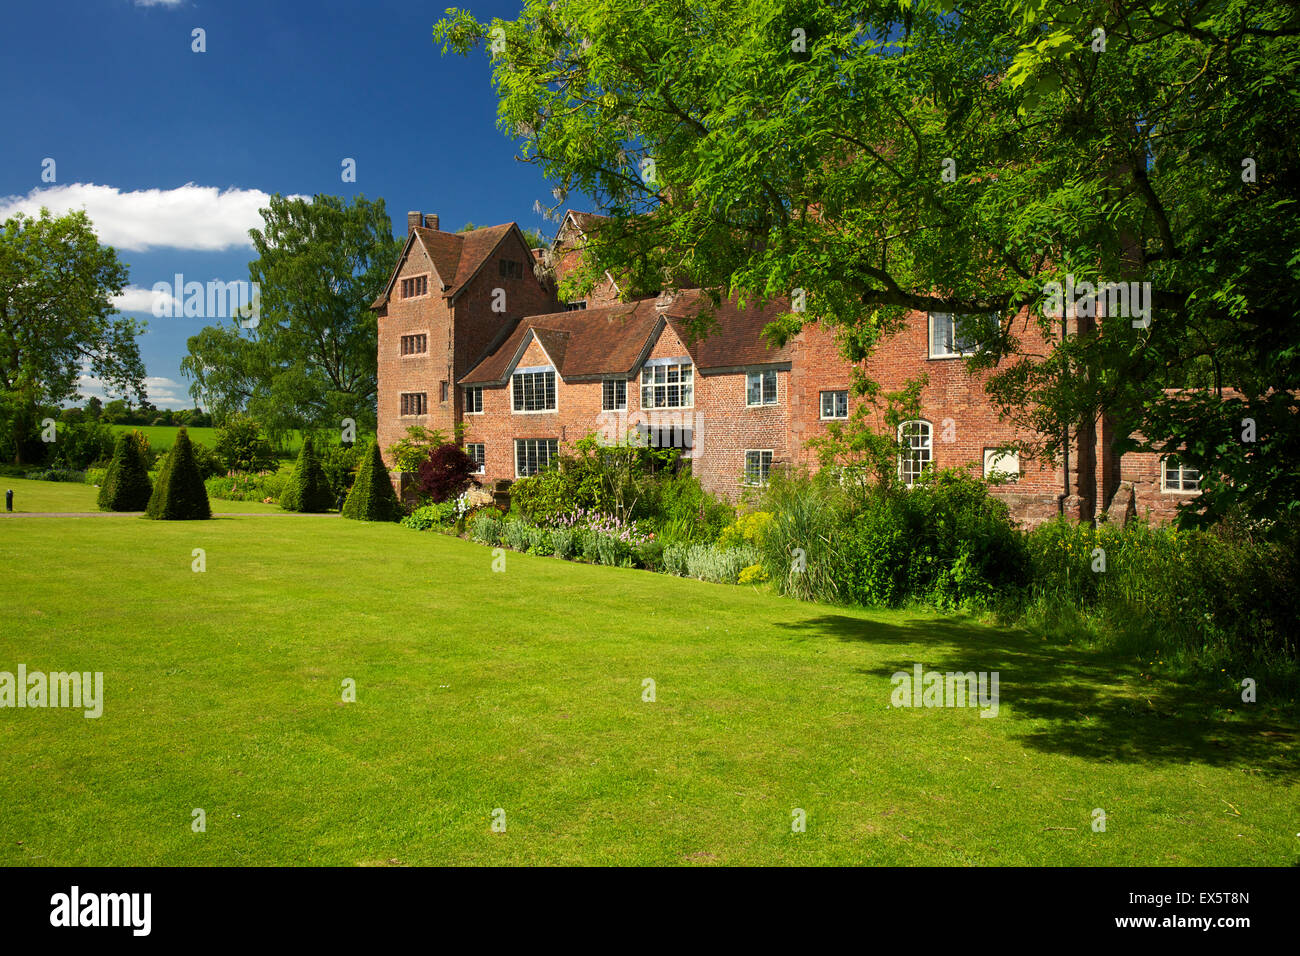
162, 437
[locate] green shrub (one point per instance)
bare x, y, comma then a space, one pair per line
649, 554
440, 515
307, 490
514, 534
126, 484
747, 529
372, 497
485, 527
56, 474
680, 508
1193, 595
179, 494
539, 542
242, 447
266, 487
339, 463
564, 542
720, 565
674, 557
799, 543
79, 445
945, 542
208, 461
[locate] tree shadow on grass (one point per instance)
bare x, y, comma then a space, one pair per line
1084, 702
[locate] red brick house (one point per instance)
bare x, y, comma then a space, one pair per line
469, 333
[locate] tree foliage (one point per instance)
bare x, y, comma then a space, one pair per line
242, 447
311, 358
957, 157
446, 472
57, 319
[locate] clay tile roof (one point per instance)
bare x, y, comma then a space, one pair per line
610, 340
607, 340
444, 249
455, 255
477, 246
735, 338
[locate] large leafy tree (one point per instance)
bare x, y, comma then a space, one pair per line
309, 359
958, 157
57, 320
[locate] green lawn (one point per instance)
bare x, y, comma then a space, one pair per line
162, 437
47, 496
522, 690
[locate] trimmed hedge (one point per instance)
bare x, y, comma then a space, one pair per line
179, 494
308, 489
126, 484
372, 497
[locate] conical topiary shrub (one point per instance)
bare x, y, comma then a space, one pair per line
308, 488
126, 483
372, 497
155, 499
179, 494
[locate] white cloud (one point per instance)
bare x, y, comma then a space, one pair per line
158, 3
188, 217
136, 299
162, 392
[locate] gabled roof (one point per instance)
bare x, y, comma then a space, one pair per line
735, 337
456, 256
615, 339
608, 340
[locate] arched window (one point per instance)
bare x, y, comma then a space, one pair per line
914, 450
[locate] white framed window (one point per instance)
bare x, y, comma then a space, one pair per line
835, 404
914, 455
1177, 478
613, 394
474, 400
478, 451
758, 465
1001, 464
534, 454
533, 390
668, 385
576, 305
947, 337
760, 388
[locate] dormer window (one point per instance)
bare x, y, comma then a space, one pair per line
533, 390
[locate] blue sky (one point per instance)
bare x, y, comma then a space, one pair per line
112, 91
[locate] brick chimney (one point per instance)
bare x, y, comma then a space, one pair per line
412, 220
431, 222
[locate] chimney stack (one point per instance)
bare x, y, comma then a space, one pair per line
412, 220
431, 222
